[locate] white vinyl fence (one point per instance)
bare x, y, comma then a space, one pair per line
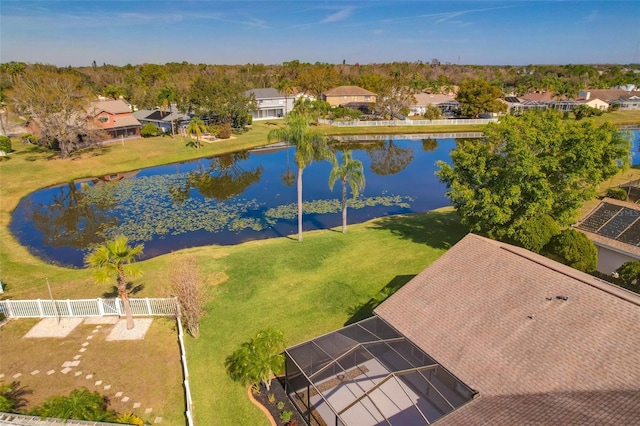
86, 308
447, 122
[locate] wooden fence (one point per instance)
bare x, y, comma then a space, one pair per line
86, 308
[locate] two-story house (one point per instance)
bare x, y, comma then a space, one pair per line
349, 96
114, 117
271, 103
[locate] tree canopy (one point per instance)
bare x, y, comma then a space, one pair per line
59, 112
529, 166
479, 96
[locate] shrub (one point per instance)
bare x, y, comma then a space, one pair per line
280, 405
285, 416
225, 131
258, 359
81, 404
629, 273
617, 193
536, 233
574, 249
190, 288
149, 130
5, 144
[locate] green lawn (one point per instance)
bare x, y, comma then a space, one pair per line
304, 289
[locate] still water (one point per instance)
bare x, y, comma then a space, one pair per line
229, 199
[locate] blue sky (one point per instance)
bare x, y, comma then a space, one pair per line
270, 32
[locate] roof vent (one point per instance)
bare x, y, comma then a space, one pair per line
565, 298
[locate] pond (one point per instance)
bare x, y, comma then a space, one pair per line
229, 199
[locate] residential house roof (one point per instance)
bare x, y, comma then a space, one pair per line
614, 223
538, 97
607, 94
265, 93
159, 115
348, 91
432, 98
540, 342
117, 106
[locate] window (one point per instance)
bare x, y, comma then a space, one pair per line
103, 119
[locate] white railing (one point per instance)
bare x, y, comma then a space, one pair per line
451, 122
410, 136
86, 308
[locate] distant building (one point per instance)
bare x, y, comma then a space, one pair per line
163, 119
114, 117
349, 96
447, 103
271, 103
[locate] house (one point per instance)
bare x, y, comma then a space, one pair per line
517, 105
447, 103
114, 116
271, 103
349, 96
595, 103
488, 334
630, 103
614, 228
168, 121
607, 95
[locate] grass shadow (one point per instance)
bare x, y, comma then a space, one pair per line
365, 310
131, 290
438, 229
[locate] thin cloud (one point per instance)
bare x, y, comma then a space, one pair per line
340, 15
592, 17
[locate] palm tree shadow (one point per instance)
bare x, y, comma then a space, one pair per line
365, 310
131, 290
16, 394
437, 229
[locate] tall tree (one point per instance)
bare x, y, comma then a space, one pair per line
115, 258
351, 173
196, 127
59, 112
528, 166
310, 145
285, 86
477, 97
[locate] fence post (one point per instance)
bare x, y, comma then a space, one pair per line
9, 311
70, 311
100, 307
149, 312
40, 308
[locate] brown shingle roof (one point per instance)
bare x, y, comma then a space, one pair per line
489, 313
348, 91
112, 107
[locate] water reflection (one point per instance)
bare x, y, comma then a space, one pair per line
228, 199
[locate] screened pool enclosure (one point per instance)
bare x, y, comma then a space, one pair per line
369, 374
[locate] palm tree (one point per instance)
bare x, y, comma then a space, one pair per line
257, 360
351, 173
114, 258
196, 127
310, 145
285, 86
81, 404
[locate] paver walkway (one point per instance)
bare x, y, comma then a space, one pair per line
62, 327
